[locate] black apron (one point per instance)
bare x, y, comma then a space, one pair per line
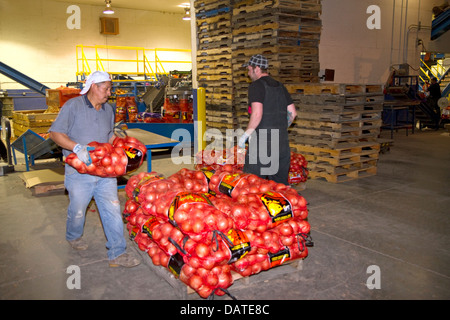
268, 153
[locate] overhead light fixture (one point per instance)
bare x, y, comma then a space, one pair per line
108, 9
187, 14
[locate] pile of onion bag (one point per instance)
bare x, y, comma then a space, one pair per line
205, 225
215, 159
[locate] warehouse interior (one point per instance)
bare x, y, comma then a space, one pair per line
374, 147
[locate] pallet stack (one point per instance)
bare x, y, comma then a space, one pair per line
214, 61
337, 129
287, 32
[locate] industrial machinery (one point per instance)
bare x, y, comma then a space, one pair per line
402, 91
178, 93
6, 147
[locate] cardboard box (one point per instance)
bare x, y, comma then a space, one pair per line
44, 182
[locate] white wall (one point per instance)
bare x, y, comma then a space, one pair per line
35, 40
360, 55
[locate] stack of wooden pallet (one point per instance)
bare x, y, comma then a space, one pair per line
214, 61
287, 32
337, 129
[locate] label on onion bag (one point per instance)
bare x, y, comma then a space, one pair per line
175, 264
239, 245
135, 158
149, 225
183, 198
210, 195
279, 257
231, 181
133, 233
278, 207
144, 181
208, 172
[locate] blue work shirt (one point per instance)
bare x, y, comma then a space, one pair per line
82, 123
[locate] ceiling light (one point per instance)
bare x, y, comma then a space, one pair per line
187, 14
108, 9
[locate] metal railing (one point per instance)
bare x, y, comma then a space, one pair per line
130, 61
438, 70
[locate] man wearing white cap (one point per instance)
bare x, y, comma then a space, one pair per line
272, 111
82, 120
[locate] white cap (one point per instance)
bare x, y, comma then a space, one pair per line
95, 77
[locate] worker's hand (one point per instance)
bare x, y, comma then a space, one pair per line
82, 153
242, 140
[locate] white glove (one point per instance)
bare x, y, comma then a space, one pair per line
82, 153
243, 139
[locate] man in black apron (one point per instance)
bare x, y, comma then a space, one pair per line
271, 113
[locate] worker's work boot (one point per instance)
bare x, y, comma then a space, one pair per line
78, 244
125, 260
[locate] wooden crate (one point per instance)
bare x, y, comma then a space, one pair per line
56, 98
36, 120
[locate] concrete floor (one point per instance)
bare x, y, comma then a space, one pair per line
398, 220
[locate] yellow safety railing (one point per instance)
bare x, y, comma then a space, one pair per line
425, 72
436, 70
130, 61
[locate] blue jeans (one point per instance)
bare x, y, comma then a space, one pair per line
81, 189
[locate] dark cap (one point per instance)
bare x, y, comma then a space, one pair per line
257, 61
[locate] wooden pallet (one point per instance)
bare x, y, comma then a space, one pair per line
215, 84
324, 99
344, 167
344, 176
221, 19
326, 141
334, 117
203, 54
204, 6
221, 124
349, 159
214, 77
328, 125
243, 8
219, 99
332, 108
243, 283
331, 89
318, 134
300, 5
362, 148
260, 43
228, 120
218, 63
214, 44
248, 52
184, 292
217, 24
376, 105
